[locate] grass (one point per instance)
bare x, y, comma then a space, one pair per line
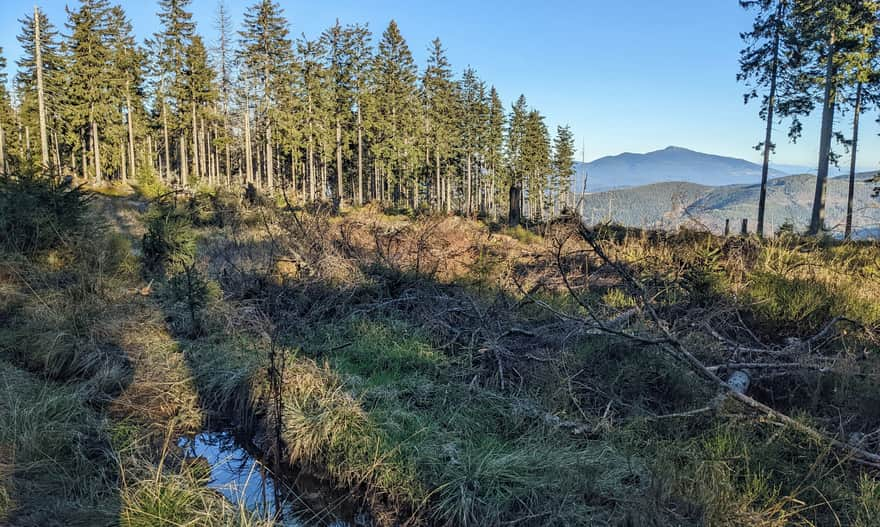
102, 369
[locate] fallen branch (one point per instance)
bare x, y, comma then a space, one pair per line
678, 350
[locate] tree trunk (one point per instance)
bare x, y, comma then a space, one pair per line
339, 160
130, 131
248, 155
360, 158
184, 163
771, 107
2, 151
514, 214
852, 163
270, 169
468, 192
195, 144
41, 104
123, 175
167, 151
817, 221
96, 152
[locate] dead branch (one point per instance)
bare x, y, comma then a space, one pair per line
677, 349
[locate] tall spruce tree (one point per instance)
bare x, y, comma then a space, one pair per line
835, 27
772, 63
516, 167
6, 116
494, 149
395, 117
266, 55
472, 129
27, 84
169, 47
441, 108
90, 89
563, 168
860, 92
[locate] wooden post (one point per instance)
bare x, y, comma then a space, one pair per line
745, 227
727, 227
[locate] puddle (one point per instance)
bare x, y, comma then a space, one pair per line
244, 481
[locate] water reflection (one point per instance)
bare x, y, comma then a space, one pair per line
243, 480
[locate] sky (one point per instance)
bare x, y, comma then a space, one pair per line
627, 76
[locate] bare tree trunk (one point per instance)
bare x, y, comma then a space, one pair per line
150, 157
339, 160
184, 162
852, 164
438, 189
360, 158
41, 104
123, 173
167, 142
469, 179
270, 169
85, 164
817, 221
195, 144
248, 155
312, 179
2, 151
96, 152
130, 130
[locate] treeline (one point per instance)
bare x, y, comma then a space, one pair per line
333, 118
807, 55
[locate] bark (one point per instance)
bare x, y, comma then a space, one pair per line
195, 144
270, 169
167, 142
248, 155
771, 107
514, 215
360, 158
817, 221
184, 163
123, 173
469, 207
852, 164
339, 160
130, 130
41, 104
96, 152
2, 151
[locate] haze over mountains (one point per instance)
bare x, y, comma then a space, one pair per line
676, 186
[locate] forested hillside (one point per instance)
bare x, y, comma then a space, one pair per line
346, 115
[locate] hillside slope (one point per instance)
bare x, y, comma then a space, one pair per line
789, 200
670, 164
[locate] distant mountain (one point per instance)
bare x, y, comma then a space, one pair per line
670, 164
789, 200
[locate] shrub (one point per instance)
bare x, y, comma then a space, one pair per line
38, 213
169, 245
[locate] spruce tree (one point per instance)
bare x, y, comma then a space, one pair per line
516, 168
772, 63
27, 82
395, 115
338, 43
836, 27
474, 112
169, 47
127, 65
494, 148
266, 55
361, 61
90, 86
563, 168
441, 109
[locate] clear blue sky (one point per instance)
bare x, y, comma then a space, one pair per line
634, 75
